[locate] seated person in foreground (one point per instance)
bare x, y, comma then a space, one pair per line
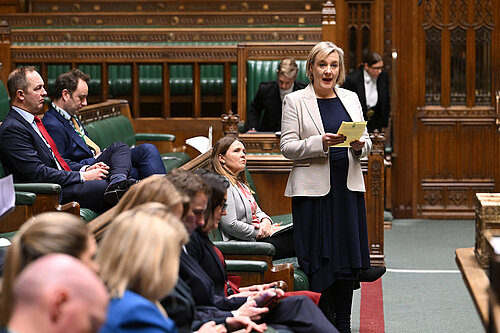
155, 188
29, 153
57, 293
179, 304
138, 276
296, 314
270, 96
50, 232
209, 256
62, 123
244, 220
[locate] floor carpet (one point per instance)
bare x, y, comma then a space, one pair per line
422, 290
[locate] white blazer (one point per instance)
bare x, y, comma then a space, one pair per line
301, 132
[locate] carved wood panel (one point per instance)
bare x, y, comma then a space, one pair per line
163, 19
164, 5
446, 142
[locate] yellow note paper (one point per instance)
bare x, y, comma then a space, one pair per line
352, 130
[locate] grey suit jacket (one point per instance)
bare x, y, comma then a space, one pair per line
237, 223
301, 141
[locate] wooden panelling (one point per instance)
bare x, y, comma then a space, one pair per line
9, 6
164, 19
165, 5
453, 164
443, 154
72, 36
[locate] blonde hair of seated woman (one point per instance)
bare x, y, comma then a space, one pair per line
51, 232
141, 252
155, 188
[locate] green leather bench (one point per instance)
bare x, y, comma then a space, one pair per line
119, 129
265, 70
150, 78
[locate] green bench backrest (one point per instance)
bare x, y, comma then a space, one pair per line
150, 79
4, 101
95, 77
114, 129
265, 70
120, 80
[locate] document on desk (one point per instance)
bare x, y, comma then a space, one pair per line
352, 130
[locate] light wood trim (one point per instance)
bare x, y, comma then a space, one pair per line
476, 281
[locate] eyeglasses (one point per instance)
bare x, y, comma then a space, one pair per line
223, 205
378, 68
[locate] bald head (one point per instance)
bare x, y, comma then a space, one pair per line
58, 293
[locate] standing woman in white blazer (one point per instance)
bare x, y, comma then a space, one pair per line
326, 183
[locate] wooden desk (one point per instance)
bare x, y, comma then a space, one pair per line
476, 280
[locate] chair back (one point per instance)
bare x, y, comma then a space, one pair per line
4, 102
265, 70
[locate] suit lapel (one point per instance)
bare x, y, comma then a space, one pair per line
38, 141
72, 133
209, 248
348, 105
244, 200
309, 98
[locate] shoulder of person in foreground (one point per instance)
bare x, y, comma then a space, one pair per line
132, 312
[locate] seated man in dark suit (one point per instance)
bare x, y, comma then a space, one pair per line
63, 125
28, 152
270, 96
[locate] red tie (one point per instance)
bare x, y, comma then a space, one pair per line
51, 143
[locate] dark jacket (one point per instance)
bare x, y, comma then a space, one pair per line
268, 101
69, 143
355, 82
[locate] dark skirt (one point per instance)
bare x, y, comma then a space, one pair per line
330, 232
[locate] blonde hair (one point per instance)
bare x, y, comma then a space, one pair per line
321, 51
220, 148
141, 252
155, 188
288, 68
53, 232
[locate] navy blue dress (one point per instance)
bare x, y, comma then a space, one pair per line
331, 237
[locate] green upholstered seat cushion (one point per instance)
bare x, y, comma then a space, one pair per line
174, 160
242, 247
154, 137
300, 280
25, 198
246, 266
40, 188
87, 214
